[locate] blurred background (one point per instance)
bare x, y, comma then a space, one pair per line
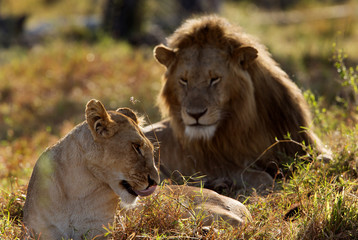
55, 55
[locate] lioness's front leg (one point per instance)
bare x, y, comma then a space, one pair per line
52, 233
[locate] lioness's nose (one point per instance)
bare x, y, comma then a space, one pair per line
151, 182
196, 113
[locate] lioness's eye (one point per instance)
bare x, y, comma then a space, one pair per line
137, 149
214, 80
183, 81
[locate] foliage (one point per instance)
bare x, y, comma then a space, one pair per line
349, 79
53, 83
44, 88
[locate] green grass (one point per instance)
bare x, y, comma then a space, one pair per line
303, 48
44, 89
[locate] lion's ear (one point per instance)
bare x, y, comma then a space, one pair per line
245, 55
129, 113
164, 55
99, 121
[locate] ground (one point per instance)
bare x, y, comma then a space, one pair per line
44, 88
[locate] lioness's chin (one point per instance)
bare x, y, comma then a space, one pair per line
127, 199
200, 132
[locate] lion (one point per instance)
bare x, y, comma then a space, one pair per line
76, 184
228, 103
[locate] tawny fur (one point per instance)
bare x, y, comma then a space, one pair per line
74, 188
252, 104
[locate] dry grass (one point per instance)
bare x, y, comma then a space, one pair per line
53, 82
166, 217
319, 201
43, 91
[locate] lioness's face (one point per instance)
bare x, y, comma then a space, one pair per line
131, 164
126, 160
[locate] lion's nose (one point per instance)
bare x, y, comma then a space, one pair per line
196, 114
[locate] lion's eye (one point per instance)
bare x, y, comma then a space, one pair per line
214, 80
137, 149
183, 81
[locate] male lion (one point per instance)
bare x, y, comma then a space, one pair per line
74, 188
227, 101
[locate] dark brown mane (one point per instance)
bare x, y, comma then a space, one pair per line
210, 30
265, 104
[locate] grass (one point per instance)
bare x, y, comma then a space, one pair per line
43, 91
303, 48
169, 221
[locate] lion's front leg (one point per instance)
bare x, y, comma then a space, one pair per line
250, 179
243, 182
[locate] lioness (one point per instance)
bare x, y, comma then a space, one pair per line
75, 184
227, 101
74, 188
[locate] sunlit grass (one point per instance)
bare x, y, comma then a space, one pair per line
43, 91
52, 83
43, 10
302, 48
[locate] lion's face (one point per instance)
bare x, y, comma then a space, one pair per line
126, 163
200, 81
200, 84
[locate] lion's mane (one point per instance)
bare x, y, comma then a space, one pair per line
264, 107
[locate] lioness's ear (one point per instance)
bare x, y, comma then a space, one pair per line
245, 55
99, 121
164, 55
129, 113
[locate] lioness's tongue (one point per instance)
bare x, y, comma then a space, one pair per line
146, 192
